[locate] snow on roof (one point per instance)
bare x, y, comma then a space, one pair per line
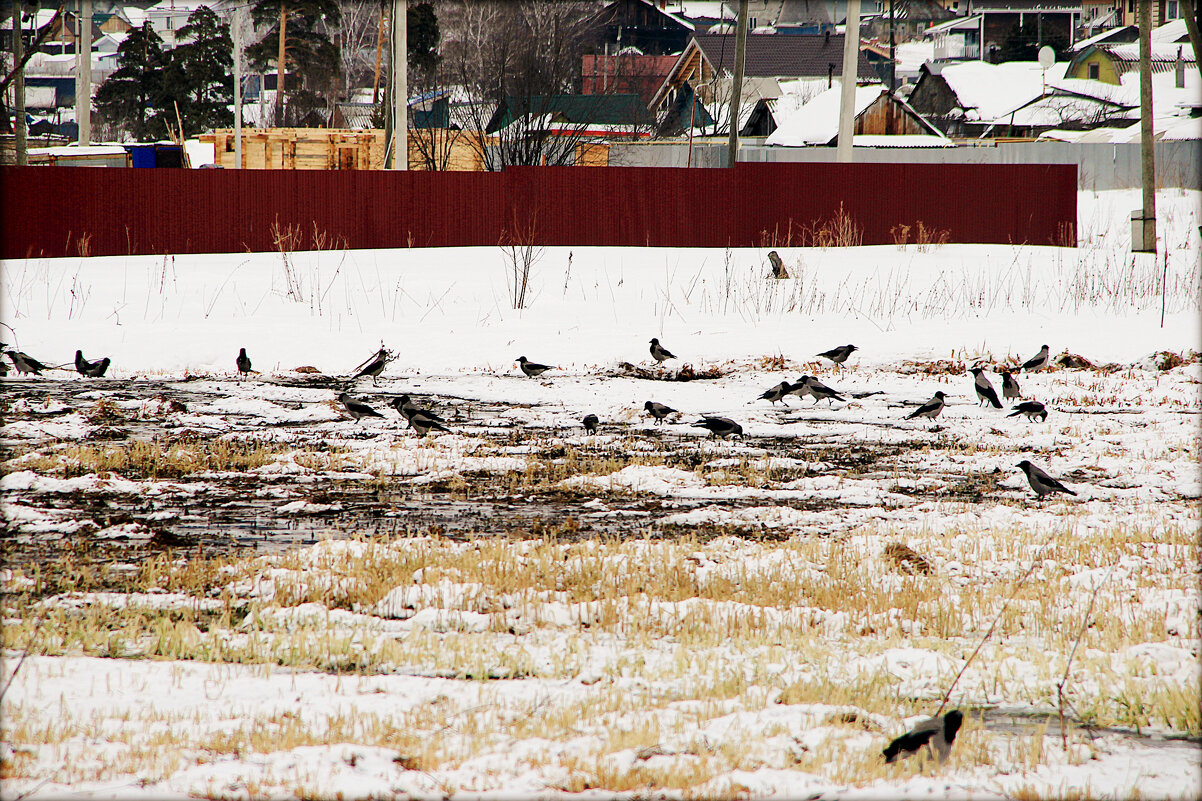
701, 9
199, 152
1161, 51
1190, 128
40, 18
817, 122
912, 55
75, 150
903, 140
1170, 31
988, 91
958, 24
1059, 110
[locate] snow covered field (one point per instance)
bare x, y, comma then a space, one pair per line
226, 588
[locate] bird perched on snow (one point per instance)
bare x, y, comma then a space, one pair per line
778, 266
531, 369
722, 427
659, 352
590, 422
1031, 409
374, 366
357, 409
26, 363
819, 390
777, 393
1010, 389
839, 355
422, 422
408, 408
658, 411
1041, 483
1038, 361
91, 369
930, 409
985, 391
242, 362
934, 734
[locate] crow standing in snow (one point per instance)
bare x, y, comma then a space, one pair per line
532, 369
407, 409
89, 369
357, 409
1041, 483
422, 422
658, 411
1031, 409
777, 393
26, 363
590, 422
930, 409
1037, 362
839, 355
659, 352
1010, 389
243, 363
820, 391
719, 427
935, 734
374, 366
985, 391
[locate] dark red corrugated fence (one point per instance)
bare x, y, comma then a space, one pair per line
60, 211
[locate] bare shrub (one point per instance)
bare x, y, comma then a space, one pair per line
519, 244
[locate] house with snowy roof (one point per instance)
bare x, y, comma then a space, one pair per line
882, 119
964, 99
1108, 58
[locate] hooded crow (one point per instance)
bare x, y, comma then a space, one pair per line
243, 363
1038, 361
777, 393
821, 391
1031, 409
25, 363
590, 422
985, 391
91, 369
1041, 483
936, 734
659, 352
658, 411
722, 427
839, 355
374, 367
357, 409
422, 422
930, 409
531, 369
1010, 389
408, 408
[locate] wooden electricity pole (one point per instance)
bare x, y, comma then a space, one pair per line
736, 90
399, 87
83, 75
1147, 130
19, 86
375, 85
281, 68
847, 96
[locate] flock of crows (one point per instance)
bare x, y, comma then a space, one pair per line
422, 421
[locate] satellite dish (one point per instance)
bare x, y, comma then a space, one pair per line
1047, 57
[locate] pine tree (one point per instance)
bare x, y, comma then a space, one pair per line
308, 51
131, 98
205, 66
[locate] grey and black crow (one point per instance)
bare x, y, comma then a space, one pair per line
374, 367
1041, 483
1038, 361
839, 355
777, 393
1010, 389
358, 409
422, 422
821, 391
930, 409
531, 369
26, 363
408, 408
985, 391
91, 369
659, 352
1031, 409
658, 411
590, 422
722, 427
242, 362
935, 734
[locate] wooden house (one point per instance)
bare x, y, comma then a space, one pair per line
879, 114
643, 24
300, 148
1109, 62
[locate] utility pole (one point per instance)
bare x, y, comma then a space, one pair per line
19, 86
400, 85
847, 96
736, 91
892, 54
1146, 242
236, 34
375, 84
83, 75
280, 67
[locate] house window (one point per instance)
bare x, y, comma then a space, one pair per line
1093, 71
1173, 10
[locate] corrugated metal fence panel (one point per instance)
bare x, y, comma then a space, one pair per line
69, 211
